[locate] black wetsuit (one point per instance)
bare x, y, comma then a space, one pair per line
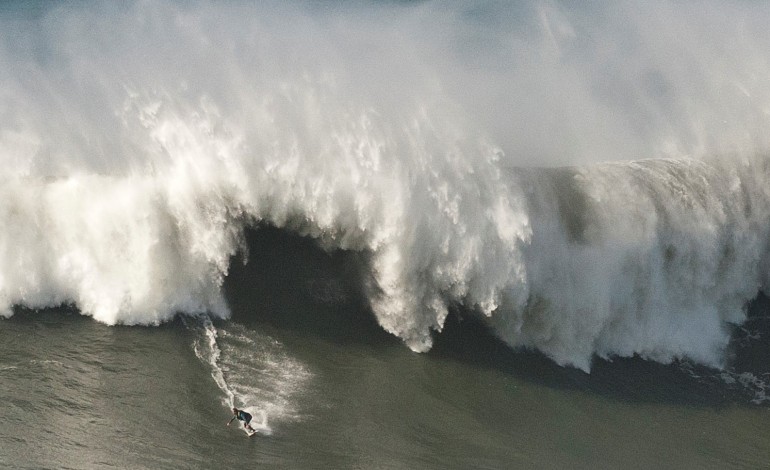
243, 416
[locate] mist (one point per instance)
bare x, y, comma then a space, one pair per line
484, 156
549, 83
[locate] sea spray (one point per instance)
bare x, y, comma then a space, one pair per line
252, 370
655, 258
207, 351
133, 163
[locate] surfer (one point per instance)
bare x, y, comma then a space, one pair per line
242, 416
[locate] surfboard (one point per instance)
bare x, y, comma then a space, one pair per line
251, 433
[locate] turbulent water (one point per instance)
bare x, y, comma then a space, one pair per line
556, 199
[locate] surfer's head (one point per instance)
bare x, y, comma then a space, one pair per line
235, 410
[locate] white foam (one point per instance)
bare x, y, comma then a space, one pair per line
208, 351
130, 170
253, 371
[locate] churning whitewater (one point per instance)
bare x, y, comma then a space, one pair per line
139, 142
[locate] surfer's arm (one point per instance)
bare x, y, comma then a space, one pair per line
231, 420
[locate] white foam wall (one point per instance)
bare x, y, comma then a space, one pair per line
136, 142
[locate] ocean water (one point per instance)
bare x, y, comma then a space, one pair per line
399, 234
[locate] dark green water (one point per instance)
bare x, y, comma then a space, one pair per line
78, 394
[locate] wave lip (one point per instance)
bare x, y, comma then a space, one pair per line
127, 189
655, 258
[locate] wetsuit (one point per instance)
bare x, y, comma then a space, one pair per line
243, 416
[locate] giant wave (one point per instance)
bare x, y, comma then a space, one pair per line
479, 163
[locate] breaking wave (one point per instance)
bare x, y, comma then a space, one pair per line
485, 159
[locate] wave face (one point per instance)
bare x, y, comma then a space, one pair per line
483, 157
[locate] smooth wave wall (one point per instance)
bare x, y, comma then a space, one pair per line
139, 141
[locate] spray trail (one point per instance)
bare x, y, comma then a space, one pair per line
207, 351
253, 371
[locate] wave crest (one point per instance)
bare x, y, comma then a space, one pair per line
131, 170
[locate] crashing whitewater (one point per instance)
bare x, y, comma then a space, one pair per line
133, 167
